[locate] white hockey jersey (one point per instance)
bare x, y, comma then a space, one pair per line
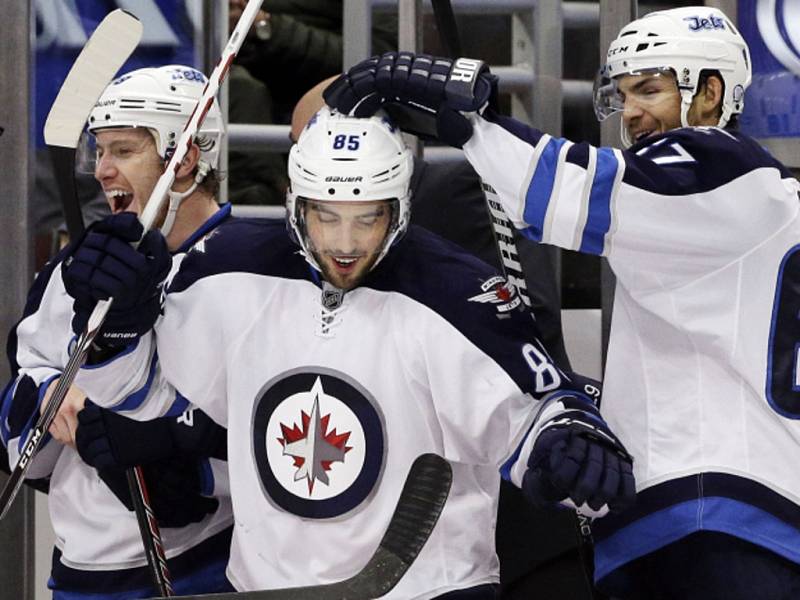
702, 229
97, 538
328, 399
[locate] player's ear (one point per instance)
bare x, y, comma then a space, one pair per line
189, 163
708, 101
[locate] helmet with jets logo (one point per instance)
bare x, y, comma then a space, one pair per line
685, 41
162, 100
339, 158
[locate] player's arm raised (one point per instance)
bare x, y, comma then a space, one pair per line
627, 204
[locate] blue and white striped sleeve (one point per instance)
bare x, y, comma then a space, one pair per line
554, 191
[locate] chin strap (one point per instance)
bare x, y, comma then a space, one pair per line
175, 198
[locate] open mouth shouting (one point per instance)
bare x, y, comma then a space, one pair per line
119, 200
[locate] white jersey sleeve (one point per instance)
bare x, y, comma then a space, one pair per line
38, 347
687, 188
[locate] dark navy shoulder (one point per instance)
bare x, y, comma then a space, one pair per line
472, 296
426, 266
257, 246
695, 160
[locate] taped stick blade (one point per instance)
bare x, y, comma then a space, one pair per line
112, 42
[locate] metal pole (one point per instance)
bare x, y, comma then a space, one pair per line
409, 38
614, 14
357, 31
16, 263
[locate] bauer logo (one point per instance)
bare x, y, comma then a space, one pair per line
318, 442
343, 179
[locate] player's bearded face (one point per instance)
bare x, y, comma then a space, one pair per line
346, 238
652, 104
127, 167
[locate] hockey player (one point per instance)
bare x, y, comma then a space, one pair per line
99, 551
334, 366
700, 225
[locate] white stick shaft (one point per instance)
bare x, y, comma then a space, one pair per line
159, 194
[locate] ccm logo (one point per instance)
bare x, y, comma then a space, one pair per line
465, 69
29, 447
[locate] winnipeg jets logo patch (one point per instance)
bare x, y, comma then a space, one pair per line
496, 290
318, 442
313, 448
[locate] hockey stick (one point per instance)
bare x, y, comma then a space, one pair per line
104, 53
507, 248
155, 202
62, 130
421, 502
109, 46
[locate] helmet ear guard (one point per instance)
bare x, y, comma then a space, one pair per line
688, 41
346, 159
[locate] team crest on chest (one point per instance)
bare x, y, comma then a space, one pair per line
318, 442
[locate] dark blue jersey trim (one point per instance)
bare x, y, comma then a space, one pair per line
180, 404
209, 552
443, 277
696, 487
206, 477
211, 223
257, 246
136, 399
709, 513
34, 417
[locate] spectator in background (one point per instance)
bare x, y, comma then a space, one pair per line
295, 43
254, 176
292, 45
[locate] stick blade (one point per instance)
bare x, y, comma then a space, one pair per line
421, 502
112, 42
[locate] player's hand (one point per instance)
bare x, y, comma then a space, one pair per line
173, 486
576, 457
106, 439
104, 265
65, 423
443, 87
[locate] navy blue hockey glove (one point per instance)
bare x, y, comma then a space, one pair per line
173, 486
425, 95
104, 264
576, 456
106, 439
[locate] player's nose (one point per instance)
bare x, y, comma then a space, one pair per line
104, 168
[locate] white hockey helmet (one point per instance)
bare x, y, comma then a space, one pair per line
685, 41
162, 99
347, 159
